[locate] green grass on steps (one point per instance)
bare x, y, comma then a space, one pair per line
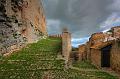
39, 61
84, 65
92, 71
54, 74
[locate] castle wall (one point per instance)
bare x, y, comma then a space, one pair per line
56, 36
21, 22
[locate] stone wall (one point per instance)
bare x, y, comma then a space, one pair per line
82, 52
56, 36
88, 51
96, 57
21, 22
66, 45
116, 31
97, 38
115, 56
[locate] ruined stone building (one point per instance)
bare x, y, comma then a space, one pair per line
103, 49
97, 47
21, 22
100, 54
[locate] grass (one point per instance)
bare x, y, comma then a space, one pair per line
91, 71
39, 61
84, 65
92, 75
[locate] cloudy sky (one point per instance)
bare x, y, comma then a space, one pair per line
81, 17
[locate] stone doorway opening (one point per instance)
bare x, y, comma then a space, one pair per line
105, 56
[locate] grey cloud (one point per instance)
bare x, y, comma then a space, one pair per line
82, 17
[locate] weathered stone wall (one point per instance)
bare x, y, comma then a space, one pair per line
97, 38
66, 45
116, 31
74, 56
56, 36
115, 56
96, 57
88, 51
21, 22
82, 52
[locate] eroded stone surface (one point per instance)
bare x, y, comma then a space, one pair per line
21, 22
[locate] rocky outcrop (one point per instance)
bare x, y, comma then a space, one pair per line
21, 22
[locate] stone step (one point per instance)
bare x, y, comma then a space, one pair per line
34, 57
18, 64
37, 69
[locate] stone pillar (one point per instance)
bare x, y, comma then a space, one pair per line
66, 46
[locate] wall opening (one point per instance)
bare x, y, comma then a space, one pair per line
105, 56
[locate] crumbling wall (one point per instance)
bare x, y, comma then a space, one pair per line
21, 22
116, 31
97, 38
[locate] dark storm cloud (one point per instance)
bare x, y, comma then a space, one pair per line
82, 17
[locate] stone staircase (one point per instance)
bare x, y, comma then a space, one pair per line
35, 58
41, 60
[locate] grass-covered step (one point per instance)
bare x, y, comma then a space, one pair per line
31, 74
92, 74
23, 65
83, 65
49, 64
32, 56
55, 74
